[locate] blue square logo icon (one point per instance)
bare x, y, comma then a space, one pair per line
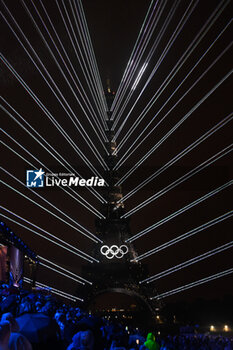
35, 178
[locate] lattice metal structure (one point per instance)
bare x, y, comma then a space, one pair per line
117, 271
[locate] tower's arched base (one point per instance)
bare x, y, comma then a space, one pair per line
122, 305
119, 279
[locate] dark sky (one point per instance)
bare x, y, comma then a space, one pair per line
114, 27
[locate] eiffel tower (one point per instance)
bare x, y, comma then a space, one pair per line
117, 271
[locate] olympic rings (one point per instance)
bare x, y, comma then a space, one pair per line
114, 251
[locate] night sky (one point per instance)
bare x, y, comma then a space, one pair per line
114, 27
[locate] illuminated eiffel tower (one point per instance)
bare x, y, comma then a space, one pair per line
117, 271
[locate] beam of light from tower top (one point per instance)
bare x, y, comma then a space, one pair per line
189, 262
57, 92
91, 50
81, 26
144, 31
48, 148
50, 116
64, 245
60, 272
174, 128
93, 114
54, 290
185, 235
179, 156
193, 284
179, 211
170, 43
47, 46
142, 70
85, 203
62, 268
182, 179
80, 199
88, 234
158, 94
211, 20
78, 55
81, 65
147, 59
61, 44
140, 51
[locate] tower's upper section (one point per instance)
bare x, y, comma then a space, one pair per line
113, 229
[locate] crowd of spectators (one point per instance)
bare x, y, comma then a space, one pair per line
36, 320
